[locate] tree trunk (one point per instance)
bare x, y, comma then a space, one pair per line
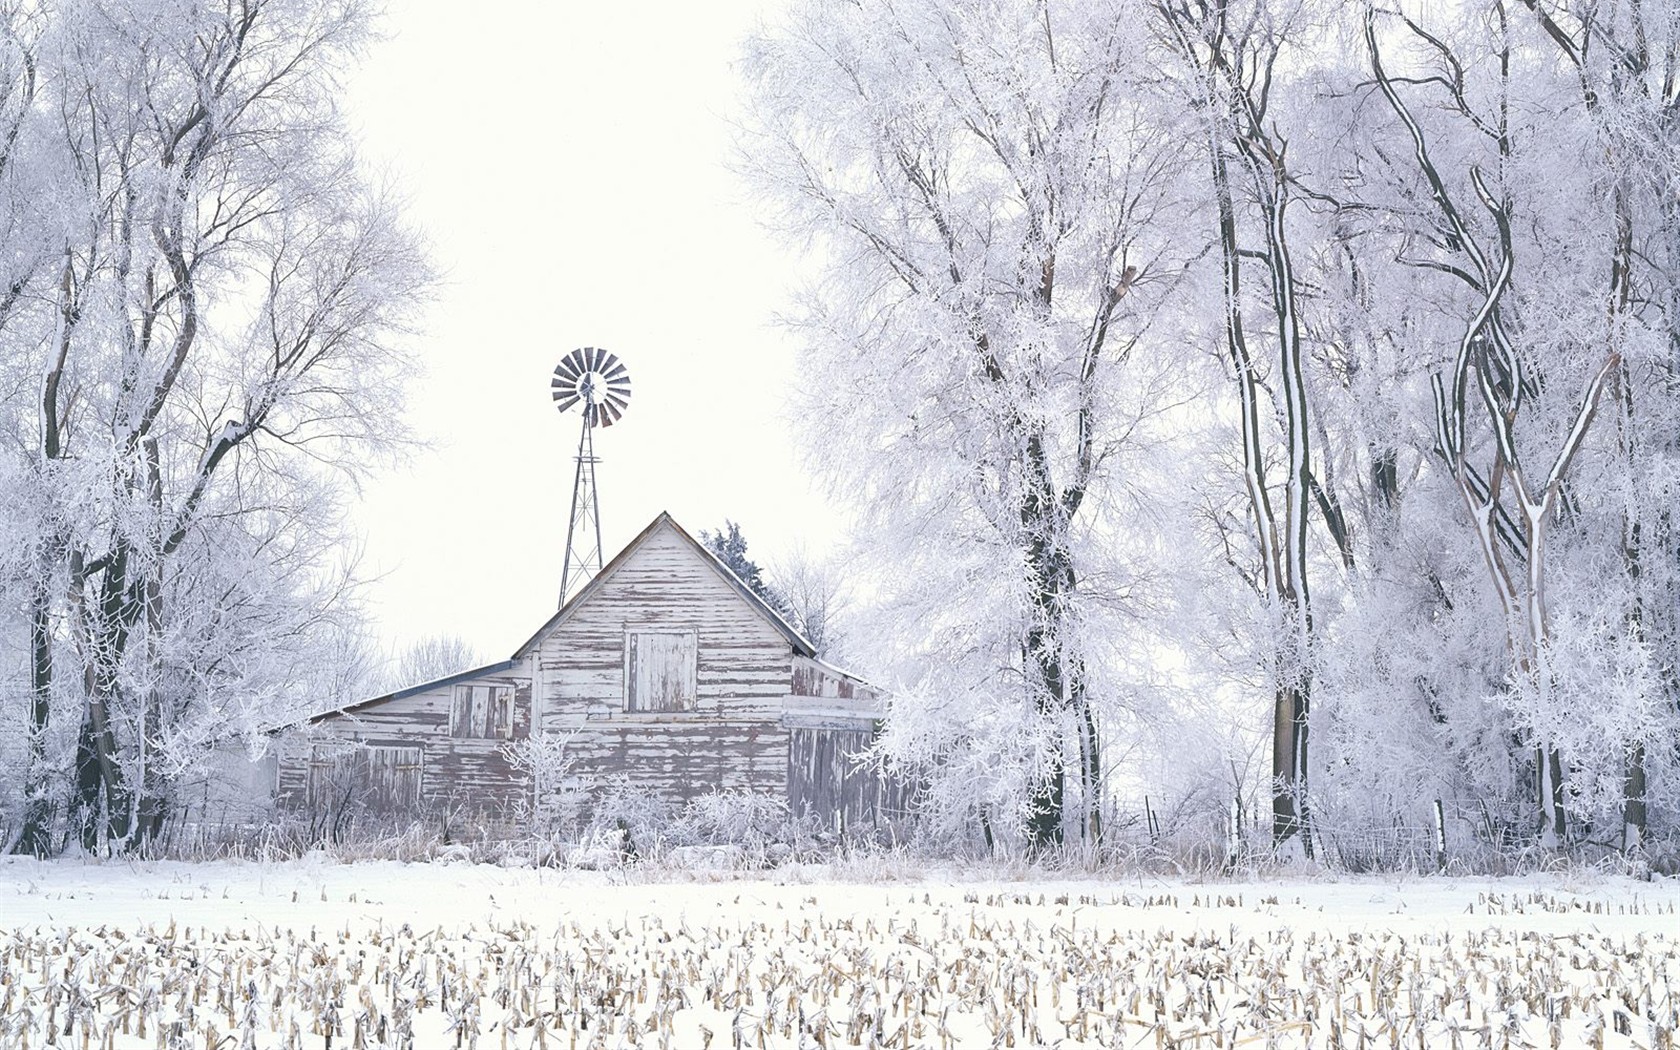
36, 836
1633, 801
1090, 769
1287, 719
102, 796
1237, 123
1060, 689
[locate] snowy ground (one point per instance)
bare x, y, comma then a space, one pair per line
147, 955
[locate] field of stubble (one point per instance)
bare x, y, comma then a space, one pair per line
313, 954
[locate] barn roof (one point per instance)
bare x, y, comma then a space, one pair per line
436, 683
799, 642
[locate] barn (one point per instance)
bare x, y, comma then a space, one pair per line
664, 670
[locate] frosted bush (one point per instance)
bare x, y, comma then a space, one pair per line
555, 806
759, 826
643, 819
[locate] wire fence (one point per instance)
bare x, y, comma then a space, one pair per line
1443, 835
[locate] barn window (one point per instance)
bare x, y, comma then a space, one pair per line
659, 670
484, 711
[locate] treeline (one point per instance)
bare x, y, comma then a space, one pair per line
1268, 397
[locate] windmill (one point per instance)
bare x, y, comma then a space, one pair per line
601, 383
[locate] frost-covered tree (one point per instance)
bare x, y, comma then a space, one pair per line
1228, 57
1538, 302
1416, 264
989, 198
204, 330
1620, 64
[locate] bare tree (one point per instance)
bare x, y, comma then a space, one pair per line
432, 657
817, 599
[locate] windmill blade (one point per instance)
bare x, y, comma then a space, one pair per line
597, 379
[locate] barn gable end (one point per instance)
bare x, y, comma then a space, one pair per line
662, 588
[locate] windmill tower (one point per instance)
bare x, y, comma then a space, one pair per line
601, 383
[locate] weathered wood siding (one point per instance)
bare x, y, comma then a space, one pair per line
470, 772
731, 737
826, 780
817, 679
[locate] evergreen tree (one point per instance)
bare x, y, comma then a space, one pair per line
730, 546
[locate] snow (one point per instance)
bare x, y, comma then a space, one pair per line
518, 957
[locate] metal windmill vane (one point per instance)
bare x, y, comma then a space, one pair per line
599, 382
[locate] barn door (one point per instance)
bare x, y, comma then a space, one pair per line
660, 670
393, 778
381, 779
825, 780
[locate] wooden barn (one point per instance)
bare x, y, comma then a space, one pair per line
664, 669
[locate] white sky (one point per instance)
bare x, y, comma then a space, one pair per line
568, 163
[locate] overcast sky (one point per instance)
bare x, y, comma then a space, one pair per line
569, 164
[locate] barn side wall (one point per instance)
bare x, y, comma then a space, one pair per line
468, 773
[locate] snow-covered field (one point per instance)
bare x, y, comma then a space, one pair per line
319, 954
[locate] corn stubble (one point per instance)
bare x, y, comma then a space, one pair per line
999, 969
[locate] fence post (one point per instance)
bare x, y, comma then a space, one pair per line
1440, 838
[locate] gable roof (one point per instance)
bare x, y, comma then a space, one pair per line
799, 642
